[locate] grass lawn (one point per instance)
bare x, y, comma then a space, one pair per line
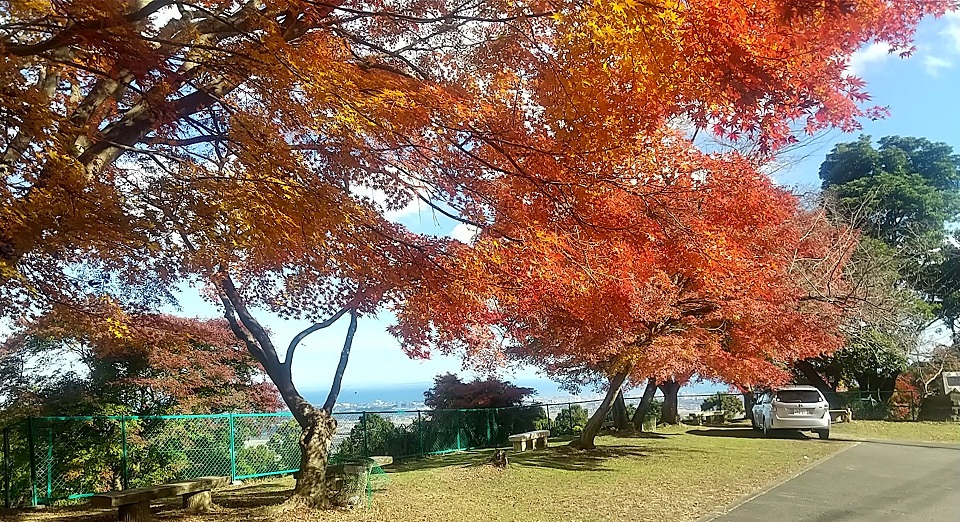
917, 431
677, 474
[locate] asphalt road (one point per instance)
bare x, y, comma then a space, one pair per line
873, 481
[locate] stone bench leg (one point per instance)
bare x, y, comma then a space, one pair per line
139, 512
197, 502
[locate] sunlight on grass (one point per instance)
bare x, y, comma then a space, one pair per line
916, 431
676, 474
677, 477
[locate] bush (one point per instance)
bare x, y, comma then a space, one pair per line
653, 413
570, 421
731, 405
867, 408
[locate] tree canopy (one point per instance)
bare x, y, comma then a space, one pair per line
902, 195
147, 364
450, 393
254, 148
903, 192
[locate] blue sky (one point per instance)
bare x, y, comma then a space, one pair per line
922, 92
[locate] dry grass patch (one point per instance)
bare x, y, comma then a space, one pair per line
678, 474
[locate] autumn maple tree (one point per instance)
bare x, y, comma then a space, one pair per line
161, 364
254, 148
705, 268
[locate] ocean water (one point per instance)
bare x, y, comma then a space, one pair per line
410, 395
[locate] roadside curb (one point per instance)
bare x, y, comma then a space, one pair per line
765, 489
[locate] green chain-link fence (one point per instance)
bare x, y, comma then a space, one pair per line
52, 459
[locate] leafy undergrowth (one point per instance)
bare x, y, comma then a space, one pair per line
915, 431
677, 474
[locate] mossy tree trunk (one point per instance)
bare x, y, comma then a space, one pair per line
670, 413
592, 429
621, 420
645, 401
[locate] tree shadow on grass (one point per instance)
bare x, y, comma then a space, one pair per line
252, 496
458, 459
749, 433
570, 459
639, 435
80, 513
562, 457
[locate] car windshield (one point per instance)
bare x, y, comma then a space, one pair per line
798, 396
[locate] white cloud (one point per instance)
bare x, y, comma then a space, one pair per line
379, 198
874, 53
932, 64
953, 29
464, 233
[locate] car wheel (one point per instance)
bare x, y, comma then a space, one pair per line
824, 434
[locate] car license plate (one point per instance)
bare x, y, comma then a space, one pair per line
800, 412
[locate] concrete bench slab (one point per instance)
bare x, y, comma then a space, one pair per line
841, 415
134, 504
535, 439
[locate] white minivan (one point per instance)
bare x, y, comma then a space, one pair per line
801, 408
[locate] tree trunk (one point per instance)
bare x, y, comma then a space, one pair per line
590, 431
315, 443
748, 404
621, 420
835, 400
318, 424
645, 401
670, 413
880, 387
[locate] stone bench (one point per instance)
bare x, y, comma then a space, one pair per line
706, 417
347, 480
134, 504
535, 439
841, 415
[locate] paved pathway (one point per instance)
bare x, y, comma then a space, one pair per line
873, 481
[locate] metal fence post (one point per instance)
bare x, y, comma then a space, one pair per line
549, 422
570, 415
6, 468
33, 463
366, 448
124, 462
489, 425
49, 462
420, 431
913, 406
459, 423
233, 449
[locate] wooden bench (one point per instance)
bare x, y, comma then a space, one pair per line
134, 504
841, 415
535, 439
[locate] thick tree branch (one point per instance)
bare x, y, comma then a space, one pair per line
271, 359
71, 33
342, 365
288, 358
